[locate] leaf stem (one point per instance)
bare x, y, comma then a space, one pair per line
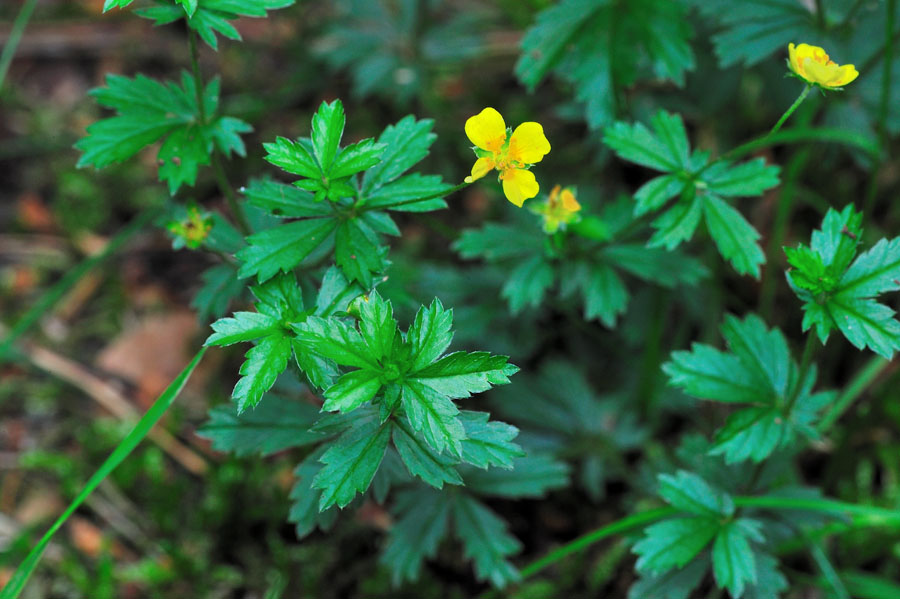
852, 391
439, 194
861, 516
790, 110
805, 362
15, 36
218, 171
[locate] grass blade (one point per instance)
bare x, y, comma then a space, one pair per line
140, 430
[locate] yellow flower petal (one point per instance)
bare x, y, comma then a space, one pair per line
848, 73
519, 185
814, 65
487, 130
569, 203
481, 167
528, 144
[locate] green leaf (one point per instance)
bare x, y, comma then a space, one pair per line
531, 476
759, 371
677, 224
377, 326
754, 29
747, 179
321, 372
351, 462
488, 443
262, 365
220, 286
699, 185
674, 584
734, 236
352, 390
582, 42
274, 425
527, 284
284, 201
242, 326
434, 415
355, 158
460, 374
665, 268
148, 111
422, 460
295, 157
664, 148
405, 145
327, 130
840, 294
485, 540
209, 17
283, 247
336, 340
769, 581
421, 518
495, 242
430, 335
357, 251
673, 543
305, 512
19, 578
335, 293
605, 295
734, 561
406, 189
688, 492
837, 240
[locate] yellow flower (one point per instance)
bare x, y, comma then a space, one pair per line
509, 154
193, 230
560, 209
813, 65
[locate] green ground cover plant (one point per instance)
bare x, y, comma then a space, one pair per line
652, 359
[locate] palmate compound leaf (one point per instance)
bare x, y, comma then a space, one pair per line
699, 185
148, 111
581, 41
757, 370
354, 217
595, 274
733, 558
840, 292
408, 374
752, 30
279, 305
485, 540
207, 17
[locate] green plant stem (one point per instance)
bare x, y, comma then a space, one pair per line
15, 36
809, 349
619, 526
59, 289
790, 110
218, 171
860, 516
832, 578
15, 585
852, 391
440, 194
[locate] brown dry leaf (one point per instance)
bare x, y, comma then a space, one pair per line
86, 537
34, 214
152, 353
374, 515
